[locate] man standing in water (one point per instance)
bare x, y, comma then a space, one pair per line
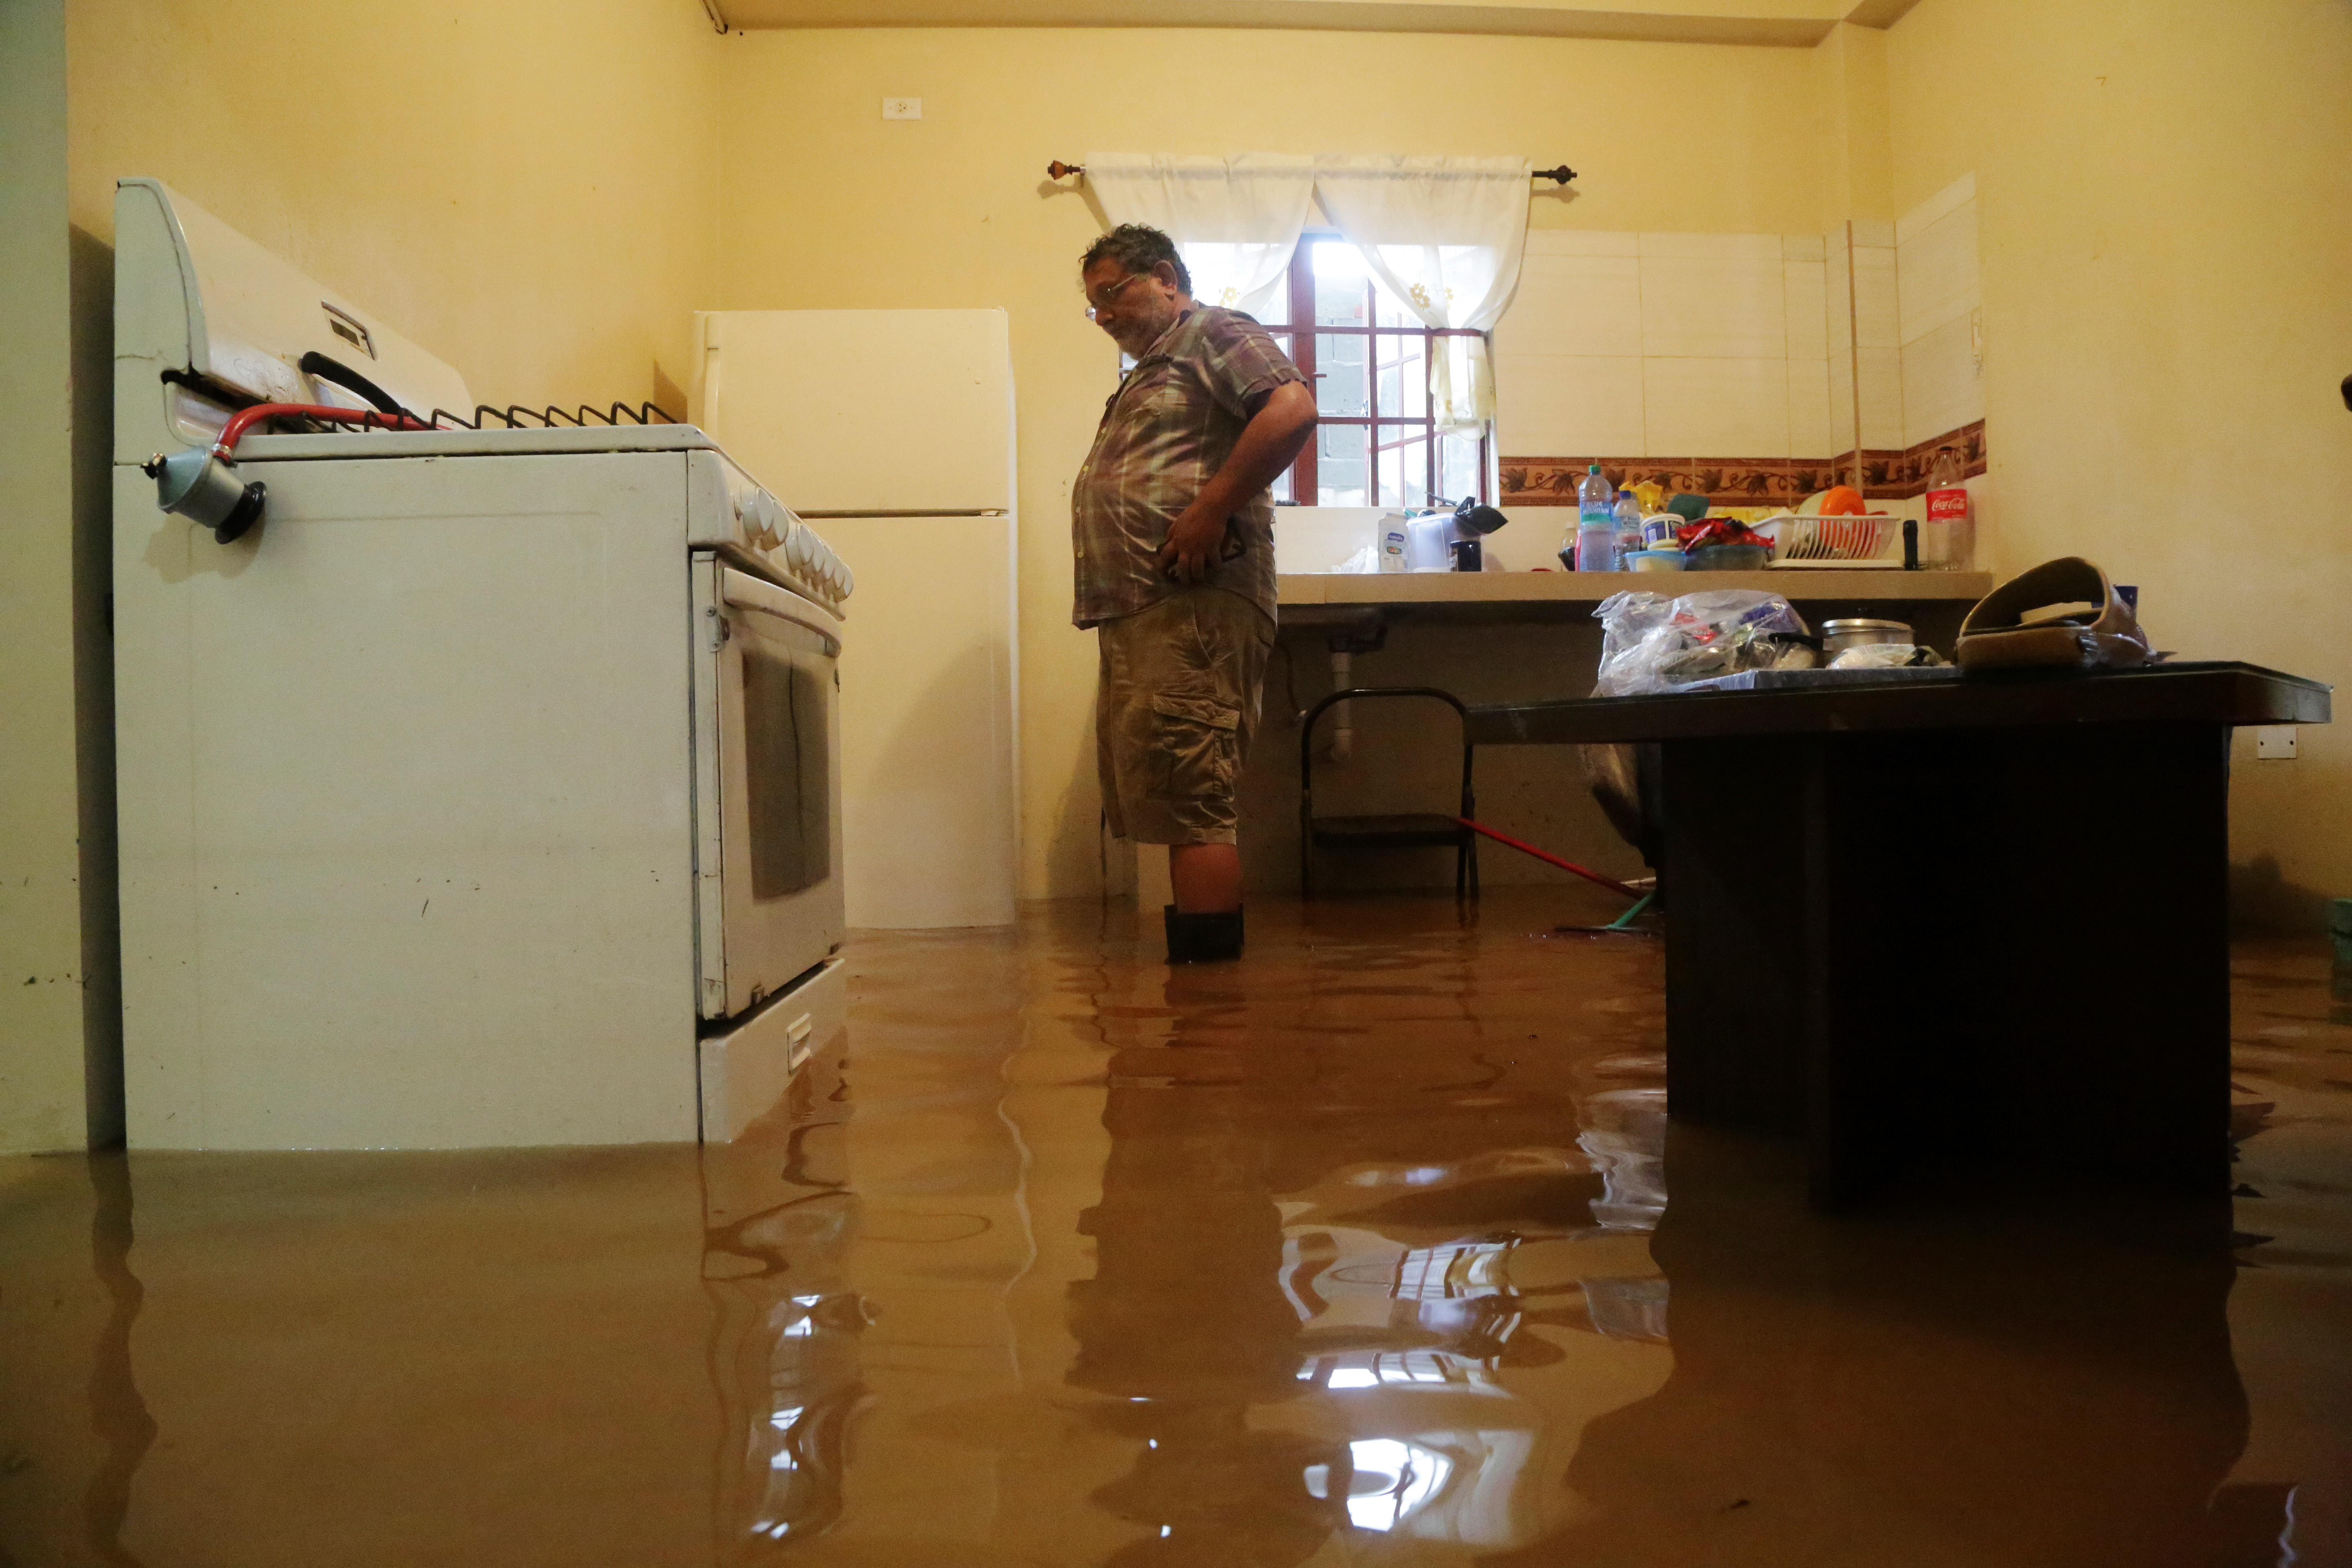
1173, 526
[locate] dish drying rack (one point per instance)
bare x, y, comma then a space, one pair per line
1869, 540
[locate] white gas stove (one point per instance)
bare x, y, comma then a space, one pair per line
478, 779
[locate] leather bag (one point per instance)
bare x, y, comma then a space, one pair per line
2002, 632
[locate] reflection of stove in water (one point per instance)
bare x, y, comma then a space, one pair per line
785, 1349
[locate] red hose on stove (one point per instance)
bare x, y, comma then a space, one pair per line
1549, 858
245, 419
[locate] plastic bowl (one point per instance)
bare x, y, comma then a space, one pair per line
1729, 558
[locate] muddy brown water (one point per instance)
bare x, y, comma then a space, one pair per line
1360, 1251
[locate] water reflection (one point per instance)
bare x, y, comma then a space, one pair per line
1986, 1386
117, 1410
780, 1225
1322, 1266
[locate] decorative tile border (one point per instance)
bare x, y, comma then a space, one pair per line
1899, 476
1724, 481
1743, 481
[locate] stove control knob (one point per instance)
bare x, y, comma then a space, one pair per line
774, 520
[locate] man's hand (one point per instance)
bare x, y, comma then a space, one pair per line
1267, 444
1194, 540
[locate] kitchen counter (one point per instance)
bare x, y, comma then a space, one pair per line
1471, 596
1492, 638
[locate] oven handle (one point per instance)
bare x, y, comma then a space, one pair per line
745, 592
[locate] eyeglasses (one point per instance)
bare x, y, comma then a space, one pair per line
1110, 295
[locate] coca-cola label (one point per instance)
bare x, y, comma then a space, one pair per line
1946, 505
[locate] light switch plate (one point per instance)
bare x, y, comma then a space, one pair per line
902, 108
2275, 742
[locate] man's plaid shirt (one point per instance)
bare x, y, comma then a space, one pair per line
1172, 423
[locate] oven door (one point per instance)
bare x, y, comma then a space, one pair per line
767, 778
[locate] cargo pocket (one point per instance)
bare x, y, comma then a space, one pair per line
1195, 748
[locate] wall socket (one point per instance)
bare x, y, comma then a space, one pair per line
2275, 742
902, 108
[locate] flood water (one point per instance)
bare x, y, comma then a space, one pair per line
1360, 1251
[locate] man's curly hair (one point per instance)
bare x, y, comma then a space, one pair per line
1138, 247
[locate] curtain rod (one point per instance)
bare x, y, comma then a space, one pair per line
1058, 170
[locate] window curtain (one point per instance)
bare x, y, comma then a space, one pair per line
1444, 235
1234, 220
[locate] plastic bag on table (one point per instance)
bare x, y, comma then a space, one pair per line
1887, 656
1650, 643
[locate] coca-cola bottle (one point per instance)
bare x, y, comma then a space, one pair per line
1947, 543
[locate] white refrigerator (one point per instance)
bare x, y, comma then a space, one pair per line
892, 433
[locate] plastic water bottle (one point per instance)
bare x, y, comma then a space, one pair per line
1949, 541
1596, 523
1628, 517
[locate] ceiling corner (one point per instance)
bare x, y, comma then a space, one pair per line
1879, 12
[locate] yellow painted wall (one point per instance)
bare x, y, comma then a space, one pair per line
525, 189
826, 205
41, 1102
2166, 196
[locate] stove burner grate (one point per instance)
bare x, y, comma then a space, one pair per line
515, 416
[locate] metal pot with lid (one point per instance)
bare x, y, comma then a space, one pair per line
1859, 632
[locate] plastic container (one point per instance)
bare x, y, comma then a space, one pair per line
1596, 522
1655, 561
1429, 543
1392, 541
1729, 558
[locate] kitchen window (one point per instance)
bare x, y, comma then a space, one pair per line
1367, 358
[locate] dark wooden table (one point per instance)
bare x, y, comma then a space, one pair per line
1978, 923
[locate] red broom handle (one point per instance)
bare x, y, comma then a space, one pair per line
1549, 858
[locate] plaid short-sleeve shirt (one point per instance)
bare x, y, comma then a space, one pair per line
1172, 423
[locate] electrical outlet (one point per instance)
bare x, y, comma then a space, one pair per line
2275, 742
902, 108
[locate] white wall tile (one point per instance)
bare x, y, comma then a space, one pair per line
1949, 199
1840, 373
1877, 316
1941, 390
1716, 307
1936, 272
1580, 242
1872, 231
1881, 372
1715, 407
1701, 247
1840, 299
1804, 246
1810, 434
1574, 304
1568, 406
1805, 294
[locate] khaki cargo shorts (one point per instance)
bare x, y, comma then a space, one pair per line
1174, 709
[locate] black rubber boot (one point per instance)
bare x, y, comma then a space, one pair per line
1203, 939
